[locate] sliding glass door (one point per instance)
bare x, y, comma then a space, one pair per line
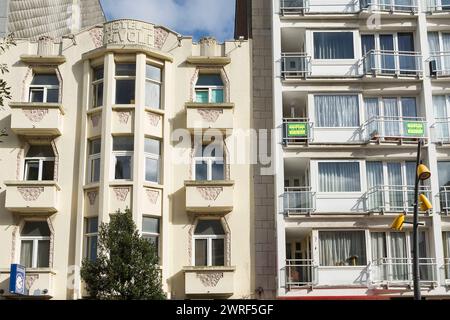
406, 47
441, 117
387, 55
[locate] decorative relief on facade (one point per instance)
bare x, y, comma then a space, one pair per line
56, 168
210, 279
26, 82
52, 241
192, 84
121, 193
30, 193
227, 241
210, 115
30, 279
92, 195
152, 195
153, 119
14, 241
226, 84
35, 115
45, 46
210, 193
95, 118
161, 36
19, 163
124, 116
129, 32
97, 36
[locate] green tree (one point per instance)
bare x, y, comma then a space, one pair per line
126, 267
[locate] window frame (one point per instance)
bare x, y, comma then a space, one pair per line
91, 160
95, 85
35, 239
361, 176
44, 88
209, 88
354, 44
209, 239
209, 163
153, 156
146, 234
122, 77
40, 161
353, 94
87, 235
159, 83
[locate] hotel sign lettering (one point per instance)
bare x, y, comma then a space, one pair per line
129, 32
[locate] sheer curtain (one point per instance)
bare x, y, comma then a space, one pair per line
391, 117
446, 241
446, 49
375, 178
339, 177
399, 267
387, 58
26, 253
440, 114
395, 183
378, 241
372, 112
410, 167
336, 111
333, 45
341, 248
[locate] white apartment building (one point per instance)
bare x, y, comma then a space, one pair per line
356, 84
106, 120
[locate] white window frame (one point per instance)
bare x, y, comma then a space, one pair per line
44, 88
91, 160
209, 89
35, 240
153, 234
118, 78
88, 235
362, 176
209, 239
159, 83
156, 157
40, 160
385, 171
95, 85
408, 241
122, 154
360, 109
355, 48
209, 163
380, 105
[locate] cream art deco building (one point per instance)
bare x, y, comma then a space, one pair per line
106, 121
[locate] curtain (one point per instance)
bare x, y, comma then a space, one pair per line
446, 49
333, 45
391, 117
372, 112
368, 44
374, 171
378, 241
336, 111
409, 112
387, 58
433, 42
399, 266
26, 253
410, 167
395, 186
440, 115
446, 241
444, 184
406, 44
342, 248
339, 177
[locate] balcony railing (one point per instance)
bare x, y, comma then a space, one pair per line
392, 63
399, 271
389, 129
438, 6
297, 131
440, 64
444, 195
299, 200
295, 65
300, 273
410, 6
393, 198
441, 130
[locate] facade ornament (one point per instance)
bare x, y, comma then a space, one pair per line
35, 115
92, 195
153, 119
152, 195
161, 36
210, 193
210, 279
210, 115
30, 279
30, 193
97, 36
121, 193
95, 118
124, 116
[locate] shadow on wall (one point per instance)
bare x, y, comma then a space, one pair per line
177, 285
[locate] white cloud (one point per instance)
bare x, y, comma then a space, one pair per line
188, 17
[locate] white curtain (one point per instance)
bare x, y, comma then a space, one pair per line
340, 248
399, 267
333, 45
372, 112
374, 178
440, 114
395, 182
378, 241
336, 111
26, 253
433, 42
446, 241
391, 117
339, 177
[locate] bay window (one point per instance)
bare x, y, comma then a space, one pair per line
94, 160
209, 89
339, 177
209, 162
333, 45
125, 83
123, 148
91, 238
152, 151
336, 110
44, 88
39, 163
152, 86
342, 248
151, 231
97, 87
209, 243
35, 245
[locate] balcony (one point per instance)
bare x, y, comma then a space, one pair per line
440, 64
297, 131
399, 272
444, 195
390, 6
209, 115
300, 273
392, 63
447, 270
32, 196
438, 6
441, 131
217, 281
209, 196
395, 129
395, 199
36, 119
39, 284
295, 65
299, 200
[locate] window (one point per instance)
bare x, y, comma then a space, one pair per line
125, 83
333, 45
152, 151
446, 241
40, 163
151, 231
342, 248
90, 238
97, 87
44, 88
209, 163
152, 87
94, 160
35, 245
209, 243
339, 177
209, 89
336, 110
123, 148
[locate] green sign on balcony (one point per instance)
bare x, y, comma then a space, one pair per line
415, 128
297, 129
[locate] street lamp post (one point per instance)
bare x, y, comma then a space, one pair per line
416, 270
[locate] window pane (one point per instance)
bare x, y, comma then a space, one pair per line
333, 45
153, 240
209, 227
342, 248
45, 79
123, 143
91, 248
37, 95
152, 146
217, 96
95, 170
217, 170
218, 249
125, 69
123, 167
43, 254
53, 95
48, 170
32, 173
125, 91
95, 146
151, 170
336, 111
201, 252
92, 225
209, 150
150, 225
35, 229
26, 253
201, 96
40, 151
98, 73
153, 73
209, 80
339, 177
201, 170
98, 95
152, 95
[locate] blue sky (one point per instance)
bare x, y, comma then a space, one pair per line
195, 18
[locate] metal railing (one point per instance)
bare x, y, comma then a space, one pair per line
439, 64
441, 130
300, 273
297, 131
438, 6
381, 128
399, 271
295, 65
392, 63
299, 200
444, 197
410, 6
393, 198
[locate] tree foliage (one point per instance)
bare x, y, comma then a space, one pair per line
126, 267
5, 91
